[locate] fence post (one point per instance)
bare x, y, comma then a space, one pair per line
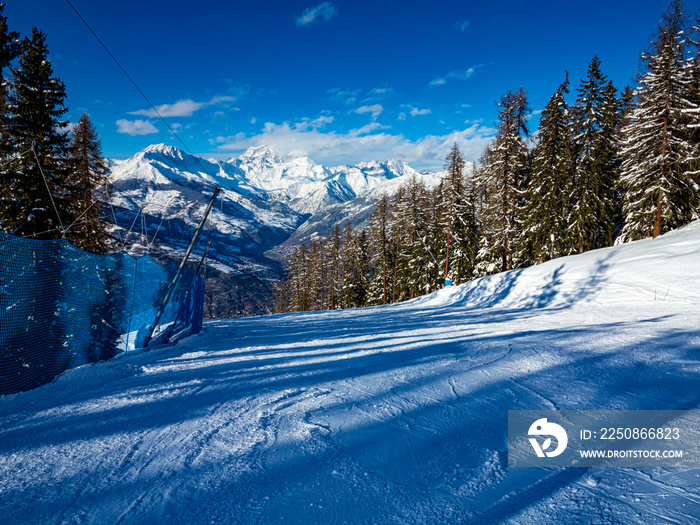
131, 307
178, 273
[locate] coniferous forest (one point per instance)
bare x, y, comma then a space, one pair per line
51, 173
610, 166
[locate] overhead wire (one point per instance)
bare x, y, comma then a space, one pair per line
143, 205
159, 225
114, 218
155, 110
14, 159
58, 215
144, 229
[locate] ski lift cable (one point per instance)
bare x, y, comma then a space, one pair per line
60, 222
143, 205
88, 209
32, 235
161, 224
129, 77
80, 216
10, 161
180, 214
144, 234
114, 218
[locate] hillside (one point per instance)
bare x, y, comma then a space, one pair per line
267, 206
392, 414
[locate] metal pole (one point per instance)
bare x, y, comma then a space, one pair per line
178, 273
204, 256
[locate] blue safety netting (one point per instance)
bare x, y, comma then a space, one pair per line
61, 307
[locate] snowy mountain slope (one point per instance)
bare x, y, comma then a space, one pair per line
357, 211
306, 186
167, 184
392, 414
261, 192
159, 195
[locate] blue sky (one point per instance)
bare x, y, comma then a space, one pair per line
341, 81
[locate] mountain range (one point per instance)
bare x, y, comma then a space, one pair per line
267, 206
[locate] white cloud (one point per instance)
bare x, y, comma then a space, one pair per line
440, 81
363, 144
352, 96
182, 108
463, 25
135, 127
221, 100
368, 128
321, 121
415, 112
456, 75
374, 109
317, 14
346, 96
380, 93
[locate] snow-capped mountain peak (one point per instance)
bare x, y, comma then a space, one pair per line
258, 154
164, 149
267, 205
299, 182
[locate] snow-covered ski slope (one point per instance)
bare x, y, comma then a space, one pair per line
393, 414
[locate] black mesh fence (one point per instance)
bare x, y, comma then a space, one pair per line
61, 307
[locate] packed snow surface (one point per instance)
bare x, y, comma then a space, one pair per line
393, 414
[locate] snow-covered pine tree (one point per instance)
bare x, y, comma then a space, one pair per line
658, 151
355, 261
9, 46
417, 266
335, 280
347, 259
451, 191
397, 229
9, 51
467, 233
298, 282
316, 273
615, 107
694, 96
435, 242
36, 106
363, 275
551, 178
283, 298
380, 289
503, 179
457, 220
89, 176
592, 196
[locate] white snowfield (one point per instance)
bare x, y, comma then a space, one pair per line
394, 414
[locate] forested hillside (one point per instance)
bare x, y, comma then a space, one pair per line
610, 166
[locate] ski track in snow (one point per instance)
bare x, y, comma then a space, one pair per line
394, 414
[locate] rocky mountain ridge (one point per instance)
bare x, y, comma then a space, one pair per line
267, 206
